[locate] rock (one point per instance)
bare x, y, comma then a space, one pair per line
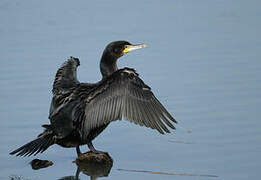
39, 164
94, 164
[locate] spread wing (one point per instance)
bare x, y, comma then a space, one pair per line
125, 94
61, 107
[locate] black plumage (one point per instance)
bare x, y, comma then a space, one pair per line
81, 111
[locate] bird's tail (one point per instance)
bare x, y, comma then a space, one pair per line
39, 145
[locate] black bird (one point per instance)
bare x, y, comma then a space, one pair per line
81, 111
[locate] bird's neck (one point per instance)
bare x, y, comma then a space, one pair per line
108, 64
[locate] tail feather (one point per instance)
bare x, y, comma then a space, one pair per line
36, 146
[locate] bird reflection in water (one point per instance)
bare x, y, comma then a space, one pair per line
92, 164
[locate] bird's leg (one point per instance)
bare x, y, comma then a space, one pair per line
78, 151
91, 147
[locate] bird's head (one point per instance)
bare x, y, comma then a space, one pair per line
112, 52
119, 48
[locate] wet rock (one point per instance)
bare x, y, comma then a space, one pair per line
39, 164
94, 164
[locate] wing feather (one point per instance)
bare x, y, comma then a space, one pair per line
125, 94
66, 77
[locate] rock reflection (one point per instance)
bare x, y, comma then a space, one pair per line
93, 165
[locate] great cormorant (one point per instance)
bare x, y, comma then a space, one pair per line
81, 111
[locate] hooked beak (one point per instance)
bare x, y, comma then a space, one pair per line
129, 48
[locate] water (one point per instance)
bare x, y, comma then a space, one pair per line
202, 62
